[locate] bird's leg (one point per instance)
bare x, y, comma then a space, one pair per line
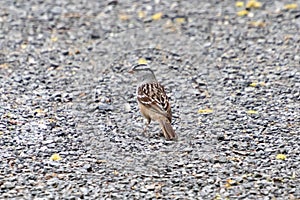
146, 127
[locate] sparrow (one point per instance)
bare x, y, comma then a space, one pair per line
152, 100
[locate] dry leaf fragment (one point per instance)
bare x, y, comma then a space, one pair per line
157, 16
142, 61
255, 84
218, 197
280, 157
252, 112
54, 39
141, 14
239, 4
205, 111
38, 111
180, 20
115, 172
243, 13
124, 17
262, 84
291, 6
257, 24
55, 157
229, 183
4, 66
253, 4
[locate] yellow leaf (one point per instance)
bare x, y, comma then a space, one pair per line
257, 24
124, 17
55, 157
239, 4
251, 112
38, 111
229, 182
142, 61
262, 84
180, 20
205, 111
141, 14
24, 45
54, 39
157, 16
115, 172
254, 84
218, 197
4, 66
281, 157
1, 132
253, 4
51, 120
291, 6
133, 187
242, 13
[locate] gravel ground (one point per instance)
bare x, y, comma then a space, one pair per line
65, 90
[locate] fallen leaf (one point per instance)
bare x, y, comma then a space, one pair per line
124, 17
142, 61
55, 157
115, 172
54, 39
253, 4
229, 182
262, 84
205, 111
257, 24
254, 84
280, 157
218, 197
157, 16
179, 20
38, 111
239, 4
243, 13
291, 6
252, 112
141, 14
4, 66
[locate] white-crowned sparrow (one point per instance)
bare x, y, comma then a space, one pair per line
152, 100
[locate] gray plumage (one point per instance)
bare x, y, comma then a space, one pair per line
144, 74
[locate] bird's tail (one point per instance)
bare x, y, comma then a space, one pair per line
167, 129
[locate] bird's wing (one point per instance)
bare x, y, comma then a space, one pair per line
153, 96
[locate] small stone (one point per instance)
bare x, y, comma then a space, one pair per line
8, 185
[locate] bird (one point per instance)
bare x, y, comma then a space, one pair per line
152, 100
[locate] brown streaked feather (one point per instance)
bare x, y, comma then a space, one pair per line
153, 96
